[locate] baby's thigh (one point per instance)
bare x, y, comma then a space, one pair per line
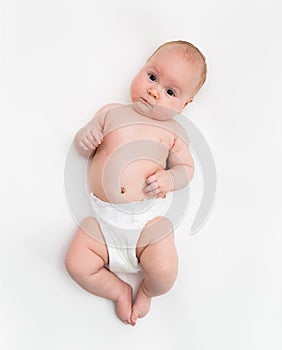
154, 231
156, 242
87, 251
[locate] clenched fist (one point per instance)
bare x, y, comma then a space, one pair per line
88, 138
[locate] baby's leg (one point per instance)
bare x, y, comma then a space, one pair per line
160, 264
85, 262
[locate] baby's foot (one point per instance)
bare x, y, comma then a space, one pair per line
123, 304
141, 306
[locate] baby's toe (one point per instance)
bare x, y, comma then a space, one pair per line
134, 316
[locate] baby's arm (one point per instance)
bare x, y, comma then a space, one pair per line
180, 164
180, 170
88, 138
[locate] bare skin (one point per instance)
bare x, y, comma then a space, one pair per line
85, 262
138, 152
136, 148
86, 258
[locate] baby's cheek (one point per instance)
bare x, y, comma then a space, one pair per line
139, 83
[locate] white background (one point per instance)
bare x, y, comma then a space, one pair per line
60, 62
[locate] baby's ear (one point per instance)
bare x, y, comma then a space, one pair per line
189, 101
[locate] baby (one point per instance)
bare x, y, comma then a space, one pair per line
140, 154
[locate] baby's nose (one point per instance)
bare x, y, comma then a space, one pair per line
153, 92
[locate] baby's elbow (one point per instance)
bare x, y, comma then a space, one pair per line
190, 172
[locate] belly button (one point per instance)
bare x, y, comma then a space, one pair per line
122, 190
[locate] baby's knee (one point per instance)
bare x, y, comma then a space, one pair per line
167, 269
162, 277
160, 259
78, 267
71, 264
80, 260
87, 252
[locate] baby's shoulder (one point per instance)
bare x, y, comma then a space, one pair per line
178, 130
108, 107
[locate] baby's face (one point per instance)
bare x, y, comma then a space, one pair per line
165, 85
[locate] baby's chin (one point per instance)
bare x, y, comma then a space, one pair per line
156, 111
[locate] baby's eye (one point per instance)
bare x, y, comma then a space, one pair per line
170, 92
152, 77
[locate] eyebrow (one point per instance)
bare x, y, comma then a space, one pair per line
155, 68
173, 84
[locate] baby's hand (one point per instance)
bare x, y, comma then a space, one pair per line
88, 138
158, 184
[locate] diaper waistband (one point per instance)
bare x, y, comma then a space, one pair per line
137, 207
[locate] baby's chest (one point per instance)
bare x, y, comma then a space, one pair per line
140, 131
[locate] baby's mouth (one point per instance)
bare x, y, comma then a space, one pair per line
147, 102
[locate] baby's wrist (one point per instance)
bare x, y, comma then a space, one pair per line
170, 180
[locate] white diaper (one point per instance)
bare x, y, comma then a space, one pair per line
121, 226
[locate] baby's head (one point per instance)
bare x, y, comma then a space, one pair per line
170, 79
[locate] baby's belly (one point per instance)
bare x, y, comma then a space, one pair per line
119, 176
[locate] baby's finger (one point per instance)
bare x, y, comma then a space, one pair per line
91, 141
97, 136
152, 190
83, 146
151, 187
87, 143
100, 136
151, 179
153, 193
